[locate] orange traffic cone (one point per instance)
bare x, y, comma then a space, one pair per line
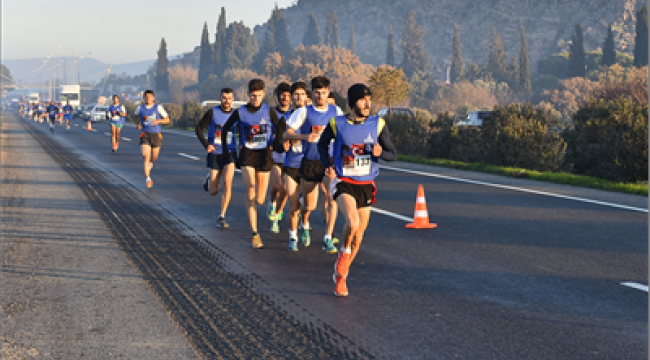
421, 216
90, 126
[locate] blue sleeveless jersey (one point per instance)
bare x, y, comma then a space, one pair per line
52, 111
214, 131
147, 116
116, 119
67, 111
352, 148
294, 155
280, 157
255, 129
315, 122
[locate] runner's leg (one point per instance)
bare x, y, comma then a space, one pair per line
294, 204
146, 158
310, 199
262, 180
248, 175
228, 173
215, 179
364, 218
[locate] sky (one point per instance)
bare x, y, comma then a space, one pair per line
118, 31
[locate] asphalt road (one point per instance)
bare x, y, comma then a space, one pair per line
507, 274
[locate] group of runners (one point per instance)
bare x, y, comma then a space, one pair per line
51, 111
303, 147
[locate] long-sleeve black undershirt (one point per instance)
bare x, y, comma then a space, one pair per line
388, 152
279, 127
204, 124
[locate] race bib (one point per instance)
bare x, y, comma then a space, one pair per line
150, 119
296, 146
358, 162
256, 139
217, 138
318, 129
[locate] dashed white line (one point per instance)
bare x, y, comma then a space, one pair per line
108, 134
188, 156
637, 286
392, 214
126, 139
530, 191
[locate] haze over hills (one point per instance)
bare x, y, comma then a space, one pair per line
547, 23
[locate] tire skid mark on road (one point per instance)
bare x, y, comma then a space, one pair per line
218, 311
514, 188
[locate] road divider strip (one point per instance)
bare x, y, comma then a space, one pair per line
637, 286
514, 188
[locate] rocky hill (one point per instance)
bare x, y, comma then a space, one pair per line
548, 23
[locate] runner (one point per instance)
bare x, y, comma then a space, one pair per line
117, 114
311, 120
40, 111
258, 124
213, 120
291, 168
52, 111
359, 141
67, 114
151, 116
60, 114
278, 191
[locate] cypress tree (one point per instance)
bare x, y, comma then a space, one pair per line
268, 47
239, 47
415, 57
280, 32
218, 52
524, 64
497, 59
390, 52
513, 74
352, 44
206, 55
641, 38
312, 35
456, 58
609, 52
577, 57
332, 30
162, 73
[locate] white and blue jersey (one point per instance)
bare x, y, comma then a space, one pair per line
149, 115
255, 129
315, 122
114, 113
352, 147
219, 118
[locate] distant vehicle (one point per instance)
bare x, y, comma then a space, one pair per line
34, 98
70, 93
395, 111
78, 112
475, 118
213, 103
98, 113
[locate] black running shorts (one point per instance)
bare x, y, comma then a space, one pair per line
312, 170
362, 194
293, 173
217, 162
153, 139
260, 160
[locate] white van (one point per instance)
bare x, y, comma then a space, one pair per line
475, 118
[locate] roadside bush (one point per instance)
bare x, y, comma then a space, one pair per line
410, 134
191, 114
130, 109
610, 140
175, 112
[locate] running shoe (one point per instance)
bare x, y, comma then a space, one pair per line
329, 247
342, 265
52, 129
257, 242
271, 212
341, 288
280, 215
335, 240
149, 183
275, 228
293, 245
221, 223
305, 238
206, 182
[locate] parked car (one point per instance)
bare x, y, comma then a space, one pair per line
475, 118
86, 109
78, 111
395, 111
98, 113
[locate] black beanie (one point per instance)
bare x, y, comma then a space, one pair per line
356, 92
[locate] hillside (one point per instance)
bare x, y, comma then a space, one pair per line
547, 22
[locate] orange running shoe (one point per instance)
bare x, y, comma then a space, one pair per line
257, 242
149, 183
341, 289
342, 265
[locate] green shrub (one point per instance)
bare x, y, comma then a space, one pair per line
610, 140
410, 134
191, 115
175, 112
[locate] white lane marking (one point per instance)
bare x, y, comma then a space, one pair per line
637, 286
188, 156
530, 191
107, 134
76, 124
126, 139
392, 214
